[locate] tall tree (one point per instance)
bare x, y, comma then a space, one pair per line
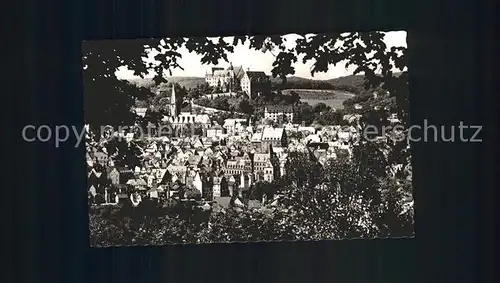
303, 169
245, 107
108, 101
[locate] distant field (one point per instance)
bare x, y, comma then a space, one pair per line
332, 98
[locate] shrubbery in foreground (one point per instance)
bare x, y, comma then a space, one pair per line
355, 199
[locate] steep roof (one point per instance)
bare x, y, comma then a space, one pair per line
261, 157
256, 76
238, 71
194, 160
256, 137
272, 133
278, 108
231, 122
100, 154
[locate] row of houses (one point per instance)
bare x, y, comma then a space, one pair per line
228, 160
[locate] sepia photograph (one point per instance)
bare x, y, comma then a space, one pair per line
257, 138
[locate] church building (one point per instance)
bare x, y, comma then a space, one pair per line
179, 118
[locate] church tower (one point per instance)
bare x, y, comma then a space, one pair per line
173, 103
232, 77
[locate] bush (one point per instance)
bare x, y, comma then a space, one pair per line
358, 198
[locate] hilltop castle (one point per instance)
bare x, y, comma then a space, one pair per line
226, 79
251, 82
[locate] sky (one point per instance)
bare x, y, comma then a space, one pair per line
257, 60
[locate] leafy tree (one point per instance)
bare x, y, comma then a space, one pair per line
152, 117
198, 129
237, 86
258, 114
132, 155
234, 105
194, 93
262, 188
116, 146
108, 100
343, 204
163, 98
141, 103
331, 117
124, 154
395, 216
304, 113
281, 119
204, 88
375, 117
223, 104
220, 117
269, 122
203, 102
197, 110
296, 135
192, 193
357, 49
245, 106
109, 228
293, 98
303, 169
323, 212
163, 87
320, 107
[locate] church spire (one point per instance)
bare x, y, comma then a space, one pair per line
172, 98
173, 103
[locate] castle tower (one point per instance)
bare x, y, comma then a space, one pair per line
173, 103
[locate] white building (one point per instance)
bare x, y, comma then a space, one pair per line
277, 112
197, 183
231, 125
216, 189
224, 78
140, 111
255, 82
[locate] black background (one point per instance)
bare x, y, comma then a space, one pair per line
449, 46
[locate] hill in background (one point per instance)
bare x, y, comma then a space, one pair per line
190, 82
352, 84
352, 80
187, 82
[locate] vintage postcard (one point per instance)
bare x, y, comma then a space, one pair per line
295, 137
